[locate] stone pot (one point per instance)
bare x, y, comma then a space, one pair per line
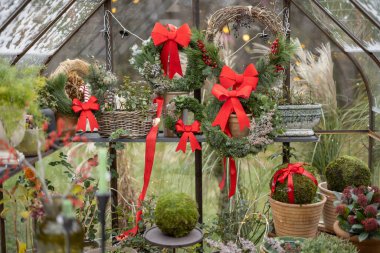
366, 246
233, 124
329, 215
299, 120
168, 96
296, 220
28, 146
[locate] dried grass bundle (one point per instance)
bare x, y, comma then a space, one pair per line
77, 65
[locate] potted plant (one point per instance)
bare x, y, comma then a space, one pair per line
18, 95
359, 217
33, 134
282, 244
296, 206
340, 173
299, 114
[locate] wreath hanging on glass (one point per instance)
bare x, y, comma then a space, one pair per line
175, 59
175, 122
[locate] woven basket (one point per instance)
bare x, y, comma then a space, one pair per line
296, 220
329, 214
136, 123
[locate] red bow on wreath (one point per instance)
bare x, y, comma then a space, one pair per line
229, 78
170, 36
287, 173
231, 104
188, 134
86, 113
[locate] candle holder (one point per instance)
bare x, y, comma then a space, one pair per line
102, 205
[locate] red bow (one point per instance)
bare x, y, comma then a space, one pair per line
229, 78
287, 173
188, 134
231, 105
86, 113
170, 37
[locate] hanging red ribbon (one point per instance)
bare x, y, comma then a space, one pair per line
150, 150
188, 134
231, 104
233, 176
287, 173
171, 37
229, 78
85, 110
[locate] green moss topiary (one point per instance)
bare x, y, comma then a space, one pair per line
304, 188
347, 171
176, 214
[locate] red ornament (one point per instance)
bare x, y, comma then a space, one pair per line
85, 110
274, 46
171, 37
188, 134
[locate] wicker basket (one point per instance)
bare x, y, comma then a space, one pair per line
136, 123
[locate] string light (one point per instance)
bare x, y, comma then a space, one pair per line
246, 37
226, 29
136, 1
113, 10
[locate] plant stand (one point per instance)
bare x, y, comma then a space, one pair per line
156, 237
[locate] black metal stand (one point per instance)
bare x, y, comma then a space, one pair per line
102, 205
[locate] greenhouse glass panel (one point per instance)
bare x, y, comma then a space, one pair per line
7, 8
28, 24
61, 30
372, 7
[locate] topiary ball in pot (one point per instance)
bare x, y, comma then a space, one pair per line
347, 171
304, 188
176, 214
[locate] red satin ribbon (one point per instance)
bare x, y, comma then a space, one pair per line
86, 113
150, 149
287, 173
233, 176
231, 104
171, 37
188, 134
229, 78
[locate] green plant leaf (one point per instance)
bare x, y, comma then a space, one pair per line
369, 196
363, 236
359, 216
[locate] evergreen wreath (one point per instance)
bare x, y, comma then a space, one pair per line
176, 107
202, 61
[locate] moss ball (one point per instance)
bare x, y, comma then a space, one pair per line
304, 188
347, 171
176, 214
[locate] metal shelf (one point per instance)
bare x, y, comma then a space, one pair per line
313, 138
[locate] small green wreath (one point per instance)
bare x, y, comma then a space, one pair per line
262, 127
176, 107
202, 61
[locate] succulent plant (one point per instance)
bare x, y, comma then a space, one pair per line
347, 171
304, 188
176, 214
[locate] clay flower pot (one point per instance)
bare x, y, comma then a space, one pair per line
233, 124
329, 215
168, 96
296, 220
366, 246
66, 124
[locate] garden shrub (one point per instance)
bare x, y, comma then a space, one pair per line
327, 243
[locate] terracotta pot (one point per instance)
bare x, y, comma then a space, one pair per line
329, 214
168, 96
366, 246
296, 220
66, 123
233, 124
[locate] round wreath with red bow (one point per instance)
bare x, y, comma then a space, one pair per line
161, 59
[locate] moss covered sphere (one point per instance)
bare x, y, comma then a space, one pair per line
347, 171
176, 214
304, 188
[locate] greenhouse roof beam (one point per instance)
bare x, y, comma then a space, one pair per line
365, 13
67, 39
14, 14
347, 31
35, 40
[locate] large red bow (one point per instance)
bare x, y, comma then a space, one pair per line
86, 113
170, 37
229, 78
188, 134
287, 173
231, 104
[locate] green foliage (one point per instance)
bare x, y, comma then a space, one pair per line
304, 188
325, 243
57, 99
347, 171
180, 104
19, 86
147, 61
176, 214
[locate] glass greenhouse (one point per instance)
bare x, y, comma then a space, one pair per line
323, 54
